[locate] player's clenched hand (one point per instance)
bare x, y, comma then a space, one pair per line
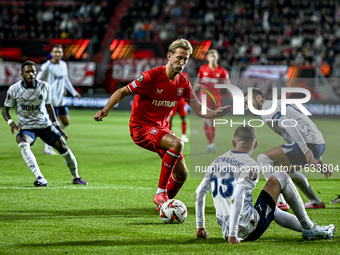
324, 169
100, 115
14, 127
223, 111
202, 233
62, 132
233, 240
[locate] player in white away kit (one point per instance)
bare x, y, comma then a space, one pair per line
305, 145
55, 73
31, 99
232, 178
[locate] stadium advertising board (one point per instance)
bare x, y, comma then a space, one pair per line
80, 74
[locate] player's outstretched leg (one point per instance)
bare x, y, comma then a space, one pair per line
310, 230
31, 162
302, 182
70, 160
267, 168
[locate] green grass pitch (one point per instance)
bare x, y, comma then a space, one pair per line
115, 213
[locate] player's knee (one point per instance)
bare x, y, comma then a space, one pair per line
23, 145
177, 144
265, 162
181, 175
282, 177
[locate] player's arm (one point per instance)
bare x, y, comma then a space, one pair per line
196, 106
8, 119
201, 193
42, 75
69, 87
298, 138
236, 209
53, 118
197, 85
118, 95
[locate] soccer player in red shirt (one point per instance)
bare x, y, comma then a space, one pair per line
209, 75
157, 92
182, 109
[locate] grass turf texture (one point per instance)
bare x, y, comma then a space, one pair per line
115, 213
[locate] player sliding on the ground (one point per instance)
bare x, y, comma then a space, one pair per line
305, 145
157, 92
32, 101
232, 179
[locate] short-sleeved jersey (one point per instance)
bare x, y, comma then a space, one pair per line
156, 96
225, 172
305, 125
57, 77
30, 104
211, 77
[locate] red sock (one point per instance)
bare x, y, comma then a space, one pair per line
184, 127
212, 133
207, 133
173, 186
169, 161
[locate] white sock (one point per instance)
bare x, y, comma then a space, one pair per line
267, 168
71, 163
29, 158
293, 198
302, 182
159, 191
287, 220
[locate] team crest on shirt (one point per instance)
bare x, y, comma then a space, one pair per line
154, 131
140, 78
218, 75
180, 92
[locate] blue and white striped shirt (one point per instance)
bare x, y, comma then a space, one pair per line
30, 104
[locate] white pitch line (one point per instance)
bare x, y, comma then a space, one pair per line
72, 187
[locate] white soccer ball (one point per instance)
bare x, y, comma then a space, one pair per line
173, 211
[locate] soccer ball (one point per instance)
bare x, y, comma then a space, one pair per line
173, 211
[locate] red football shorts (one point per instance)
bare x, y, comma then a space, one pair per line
149, 137
181, 108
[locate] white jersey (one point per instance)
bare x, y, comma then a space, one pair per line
305, 126
225, 173
57, 76
30, 104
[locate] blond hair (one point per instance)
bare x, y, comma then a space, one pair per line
180, 43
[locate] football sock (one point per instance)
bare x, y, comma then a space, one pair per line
184, 127
267, 168
71, 163
212, 133
287, 220
169, 161
207, 133
159, 191
173, 186
29, 158
301, 181
293, 198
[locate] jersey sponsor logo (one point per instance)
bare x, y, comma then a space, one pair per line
140, 78
154, 131
159, 91
164, 103
180, 92
30, 107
